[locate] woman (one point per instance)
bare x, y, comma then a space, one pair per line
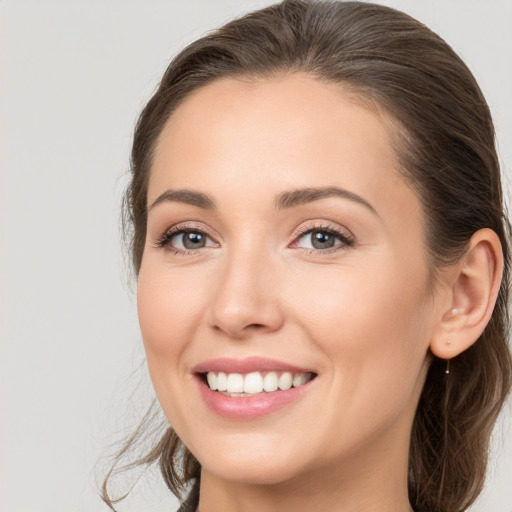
322, 261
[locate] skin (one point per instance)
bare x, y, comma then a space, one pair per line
361, 314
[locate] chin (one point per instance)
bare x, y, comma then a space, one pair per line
250, 472
251, 461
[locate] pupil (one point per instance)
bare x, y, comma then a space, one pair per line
322, 240
193, 240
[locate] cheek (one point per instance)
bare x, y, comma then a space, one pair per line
374, 328
170, 308
369, 320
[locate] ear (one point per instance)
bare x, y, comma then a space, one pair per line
474, 283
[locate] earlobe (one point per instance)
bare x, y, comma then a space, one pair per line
475, 284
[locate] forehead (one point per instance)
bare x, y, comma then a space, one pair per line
291, 130
273, 111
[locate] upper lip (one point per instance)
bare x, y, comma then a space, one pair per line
247, 365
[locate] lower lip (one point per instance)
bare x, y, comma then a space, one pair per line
248, 407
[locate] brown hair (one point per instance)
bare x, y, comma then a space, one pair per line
445, 146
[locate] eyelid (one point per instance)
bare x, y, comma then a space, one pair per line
325, 226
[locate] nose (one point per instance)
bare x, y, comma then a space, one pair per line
245, 300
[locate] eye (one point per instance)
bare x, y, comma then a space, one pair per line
189, 240
185, 239
319, 240
323, 239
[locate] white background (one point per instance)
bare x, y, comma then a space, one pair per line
73, 77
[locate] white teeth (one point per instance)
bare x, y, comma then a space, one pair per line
285, 381
253, 383
270, 382
299, 379
212, 380
236, 384
222, 381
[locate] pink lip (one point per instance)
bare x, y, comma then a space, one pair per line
249, 407
247, 365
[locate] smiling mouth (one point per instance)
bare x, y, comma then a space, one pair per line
254, 383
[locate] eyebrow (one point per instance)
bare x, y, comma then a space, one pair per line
301, 196
185, 196
289, 199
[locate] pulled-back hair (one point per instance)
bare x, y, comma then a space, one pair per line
445, 146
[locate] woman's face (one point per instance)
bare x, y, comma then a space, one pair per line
284, 244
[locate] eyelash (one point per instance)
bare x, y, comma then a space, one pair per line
346, 238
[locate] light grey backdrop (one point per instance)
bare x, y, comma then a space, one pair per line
74, 75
